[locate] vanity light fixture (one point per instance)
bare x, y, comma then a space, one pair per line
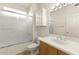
52, 7
55, 8
60, 6
57, 4
64, 4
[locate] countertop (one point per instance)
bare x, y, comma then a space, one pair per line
69, 46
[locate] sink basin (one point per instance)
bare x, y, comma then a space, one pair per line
59, 40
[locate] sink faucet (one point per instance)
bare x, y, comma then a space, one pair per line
61, 37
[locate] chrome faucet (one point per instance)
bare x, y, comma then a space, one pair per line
61, 37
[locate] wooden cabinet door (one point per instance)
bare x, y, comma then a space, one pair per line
45, 49
51, 50
61, 53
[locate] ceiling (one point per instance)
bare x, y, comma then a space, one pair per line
23, 4
31, 6
46, 5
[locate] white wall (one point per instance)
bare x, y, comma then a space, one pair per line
42, 31
41, 27
66, 21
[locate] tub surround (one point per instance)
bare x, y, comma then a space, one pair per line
13, 50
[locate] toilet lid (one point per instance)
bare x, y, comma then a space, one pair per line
33, 45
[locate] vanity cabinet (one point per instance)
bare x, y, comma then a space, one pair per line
61, 53
46, 49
